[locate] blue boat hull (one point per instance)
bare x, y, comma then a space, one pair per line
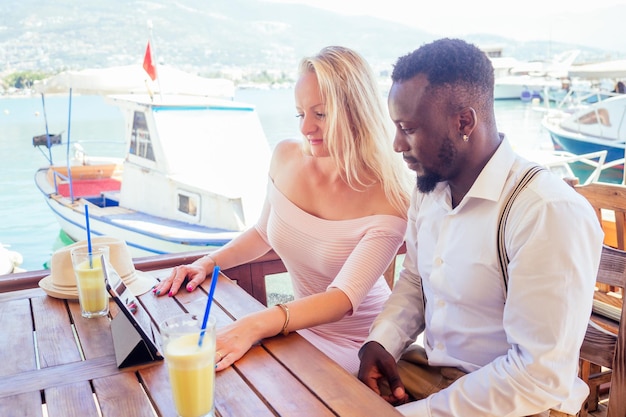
579, 147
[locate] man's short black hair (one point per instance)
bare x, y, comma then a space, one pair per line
449, 63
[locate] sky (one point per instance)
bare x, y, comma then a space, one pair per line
555, 20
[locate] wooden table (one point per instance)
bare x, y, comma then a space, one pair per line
54, 359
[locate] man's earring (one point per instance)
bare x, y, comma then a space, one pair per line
465, 138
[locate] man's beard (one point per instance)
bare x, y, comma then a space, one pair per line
427, 182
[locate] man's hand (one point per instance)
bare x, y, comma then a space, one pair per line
379, 371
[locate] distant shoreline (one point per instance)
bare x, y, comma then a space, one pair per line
243, 86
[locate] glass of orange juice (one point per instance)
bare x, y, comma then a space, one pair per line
191, 365
92, 293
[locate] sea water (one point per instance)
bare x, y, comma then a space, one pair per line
26, 221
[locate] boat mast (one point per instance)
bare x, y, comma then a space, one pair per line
48, 140
67, 152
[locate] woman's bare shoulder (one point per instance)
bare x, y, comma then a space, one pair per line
288, 145
284, 152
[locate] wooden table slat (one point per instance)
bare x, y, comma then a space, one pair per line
16, 337
157, 384
21, 294
235, 398
94, 334
228, 293
274, 383
315, 376
27, 404
55, 338
71, 400
160, 308
122, 395
51, 376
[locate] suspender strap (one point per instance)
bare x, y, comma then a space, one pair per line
503, 257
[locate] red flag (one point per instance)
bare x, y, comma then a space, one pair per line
148, 65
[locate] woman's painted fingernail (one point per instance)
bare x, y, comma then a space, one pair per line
189, 288
170, 294
158, 292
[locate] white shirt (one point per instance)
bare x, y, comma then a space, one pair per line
522, 354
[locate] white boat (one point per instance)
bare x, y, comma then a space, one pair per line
524, 87
597, 127
583, 84
614, 70
193, 176
9, 261
529, 80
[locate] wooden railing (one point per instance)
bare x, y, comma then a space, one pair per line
250, 276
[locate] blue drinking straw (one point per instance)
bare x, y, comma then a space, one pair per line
216, 271
88, 235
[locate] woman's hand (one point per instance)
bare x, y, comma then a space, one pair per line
194, 273
233, 341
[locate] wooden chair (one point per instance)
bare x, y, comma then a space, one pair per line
609, 203
390, 273
605, 340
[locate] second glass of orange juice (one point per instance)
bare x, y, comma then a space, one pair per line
191, 365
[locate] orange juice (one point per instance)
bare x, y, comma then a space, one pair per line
92, 292
192, 374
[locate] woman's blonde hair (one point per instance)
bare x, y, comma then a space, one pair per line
358, 132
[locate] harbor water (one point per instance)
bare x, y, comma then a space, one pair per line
27, 224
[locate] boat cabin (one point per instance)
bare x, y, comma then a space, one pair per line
194, 159
605, 120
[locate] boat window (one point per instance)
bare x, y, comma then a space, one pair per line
140, 143
188, 203
597, 116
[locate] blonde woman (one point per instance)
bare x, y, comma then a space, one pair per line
335, 212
